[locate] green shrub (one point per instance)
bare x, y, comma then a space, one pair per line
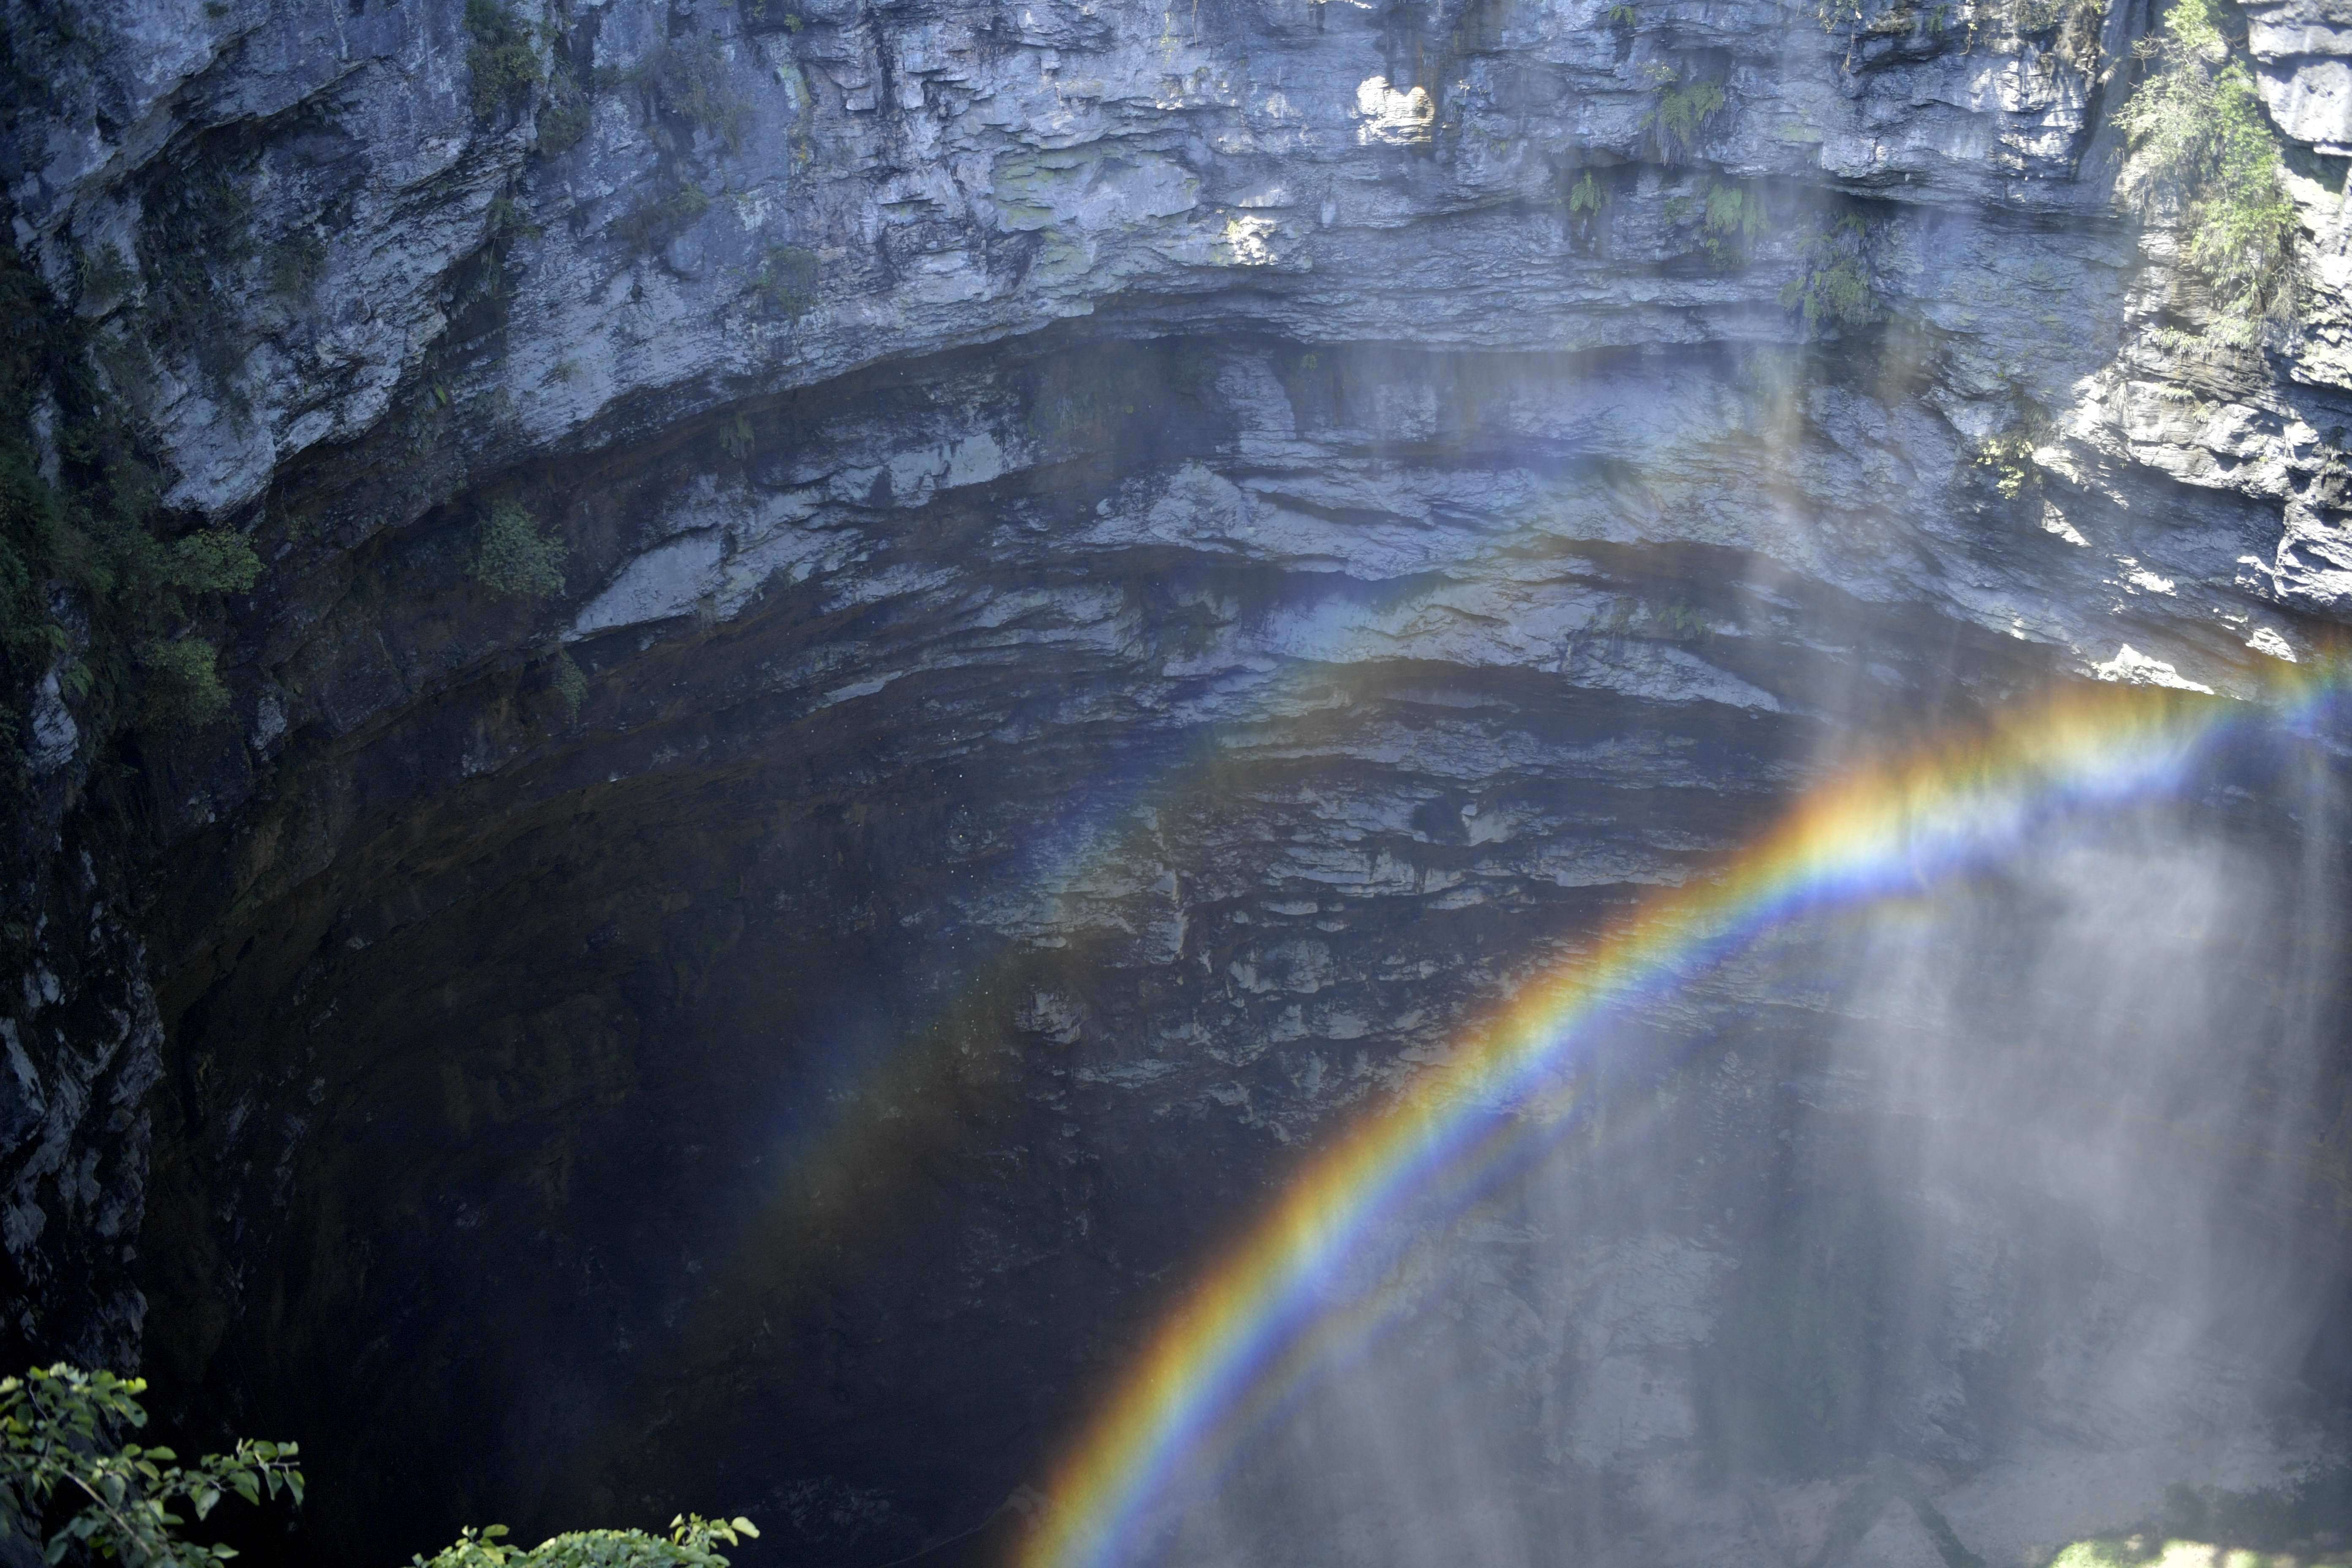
2203, 156
571, 685
569, 114
58, 1450
183, 687
215, 560
502, 61
512, 558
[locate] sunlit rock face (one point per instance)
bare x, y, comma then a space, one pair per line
1131, 572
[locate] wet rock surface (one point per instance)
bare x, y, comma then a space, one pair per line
1127, 571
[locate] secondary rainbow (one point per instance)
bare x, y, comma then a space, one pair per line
1875, 829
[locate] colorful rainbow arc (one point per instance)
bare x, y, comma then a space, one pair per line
1874, 830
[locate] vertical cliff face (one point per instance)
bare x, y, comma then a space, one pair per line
899, 647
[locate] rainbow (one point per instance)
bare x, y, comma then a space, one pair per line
1882, 827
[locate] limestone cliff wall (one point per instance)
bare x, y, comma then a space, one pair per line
1165, 554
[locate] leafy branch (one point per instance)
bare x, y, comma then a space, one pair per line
690, 1543
57, 1430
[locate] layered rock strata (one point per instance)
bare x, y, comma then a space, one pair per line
1125, 569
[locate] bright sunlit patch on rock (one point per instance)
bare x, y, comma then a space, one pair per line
1244, 243
2144, 1553
1390, 116
2132, 667
2265, 640
2054, 521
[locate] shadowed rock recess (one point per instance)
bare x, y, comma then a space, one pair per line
1126, 569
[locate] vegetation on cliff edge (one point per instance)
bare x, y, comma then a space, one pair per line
2204, 157
93, 588
86, 1496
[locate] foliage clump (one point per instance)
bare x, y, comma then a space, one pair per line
1833, 290
2009, 456
66, 1475
692, 1542
1731, 218
569, 682
514, 559
1586, 200
568, 115
63, 1472
1681, 111
183, 687
768, 15
1734, 215
567, 110
502, 61
91, 589
2202, 156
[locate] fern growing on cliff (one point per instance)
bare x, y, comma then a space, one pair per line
1731, 218
2202, 155
1681, 111
1833, 290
